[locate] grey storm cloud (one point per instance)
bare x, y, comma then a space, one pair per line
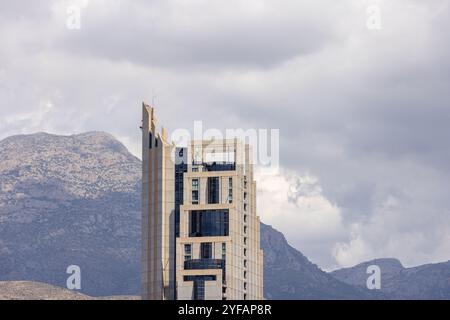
201, 34
364, 111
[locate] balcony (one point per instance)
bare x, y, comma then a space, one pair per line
219, 166
198, 264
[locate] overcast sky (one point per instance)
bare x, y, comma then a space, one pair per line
362, 105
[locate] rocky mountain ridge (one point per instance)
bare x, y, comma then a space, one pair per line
429, 281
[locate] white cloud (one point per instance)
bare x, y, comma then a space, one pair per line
28, 122
296, 205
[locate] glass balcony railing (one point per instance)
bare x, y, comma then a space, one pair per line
217, 166
197, 264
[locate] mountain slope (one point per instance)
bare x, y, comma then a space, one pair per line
357, 275
431, 281
70, 200
28, 290
288, 274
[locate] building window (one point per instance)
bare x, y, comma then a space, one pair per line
245, 207
194, 197
194, 169
245, 218
230, 190
245, 263
245, 285
245, 229
213, 190
230, 195
245, 240
245, 195
245, 252
206, 250
245, 274
245, 296
187, 252
209, 223
224, 250
195, 189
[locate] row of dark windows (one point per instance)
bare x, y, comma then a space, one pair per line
200, 264
213, 190
219, 166
198, 278
206, 251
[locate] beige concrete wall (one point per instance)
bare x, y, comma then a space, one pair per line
157, 276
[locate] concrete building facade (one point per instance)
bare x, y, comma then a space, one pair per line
200, 230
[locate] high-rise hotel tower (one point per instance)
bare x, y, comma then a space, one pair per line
200, 231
